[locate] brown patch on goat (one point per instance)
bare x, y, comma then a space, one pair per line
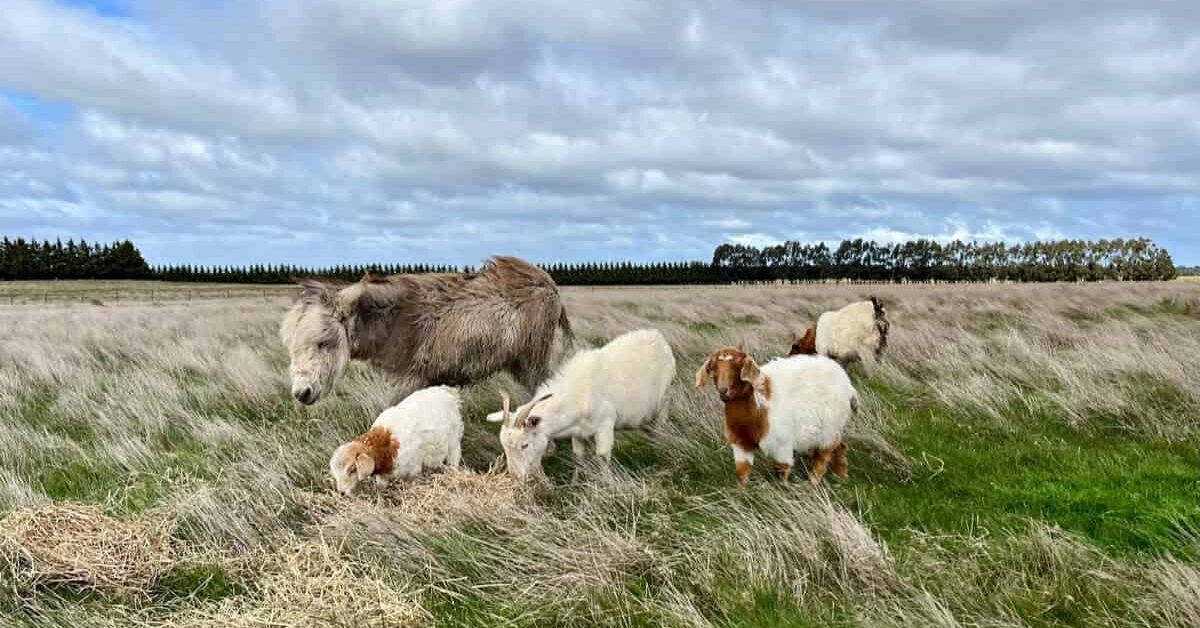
841, 466
806, 344
381, 446
742, 468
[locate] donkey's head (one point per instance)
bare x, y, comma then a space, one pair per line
316, 332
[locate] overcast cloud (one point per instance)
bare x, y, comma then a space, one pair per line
328, 131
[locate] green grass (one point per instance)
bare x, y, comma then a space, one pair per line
201, 581
1124, 494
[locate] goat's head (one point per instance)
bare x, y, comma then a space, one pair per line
316, 332
806, 344
351, 463
524, 435
732, 371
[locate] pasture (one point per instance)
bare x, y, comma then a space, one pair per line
1025, 455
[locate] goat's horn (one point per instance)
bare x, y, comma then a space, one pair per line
505, 402
524, 413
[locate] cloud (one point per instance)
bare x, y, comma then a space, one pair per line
402, 131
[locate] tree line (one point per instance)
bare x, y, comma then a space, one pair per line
21, 259
1137, 259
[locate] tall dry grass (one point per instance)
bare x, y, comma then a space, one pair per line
181, 413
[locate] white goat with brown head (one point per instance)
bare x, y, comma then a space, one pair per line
802, 403
422, 432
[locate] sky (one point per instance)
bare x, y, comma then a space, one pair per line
319, 132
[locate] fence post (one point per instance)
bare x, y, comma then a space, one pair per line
152, 295
228, 293
43, 297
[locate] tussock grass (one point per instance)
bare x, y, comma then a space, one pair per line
1024, 456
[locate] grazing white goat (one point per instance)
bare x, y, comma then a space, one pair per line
855, 332
621, 385
422, 432
800, 403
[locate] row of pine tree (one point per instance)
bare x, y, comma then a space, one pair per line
1137, 259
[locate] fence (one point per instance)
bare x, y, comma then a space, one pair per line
158, 294
17, 294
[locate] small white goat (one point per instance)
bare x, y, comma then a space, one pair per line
621, 385
799, 403
858, 331
424, 431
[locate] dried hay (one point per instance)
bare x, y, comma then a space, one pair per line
445, 498
305, 584
313, 585
78, 544
460, 493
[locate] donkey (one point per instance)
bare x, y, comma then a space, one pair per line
429, 329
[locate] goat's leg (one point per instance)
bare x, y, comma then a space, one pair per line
579, 451
782, 463
661, 416
841, 466
604, 445
820, 463
743, 461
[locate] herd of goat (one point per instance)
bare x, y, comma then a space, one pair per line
438, 332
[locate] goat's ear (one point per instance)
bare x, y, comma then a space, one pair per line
364, 466
496, 417
702, 374
750, 372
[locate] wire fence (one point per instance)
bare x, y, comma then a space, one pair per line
158, 294
17, 295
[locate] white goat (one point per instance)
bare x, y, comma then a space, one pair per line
799, 403
858, 331
423, 431
621, 385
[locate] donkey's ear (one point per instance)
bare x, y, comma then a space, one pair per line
349, 301
313, 291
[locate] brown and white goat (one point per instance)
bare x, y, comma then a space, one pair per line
802, 403
857, 331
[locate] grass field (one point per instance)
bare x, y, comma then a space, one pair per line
1026, 456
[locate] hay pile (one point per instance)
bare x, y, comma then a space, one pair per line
303, 584
312, 585
446, 498
459, 494
78, 544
